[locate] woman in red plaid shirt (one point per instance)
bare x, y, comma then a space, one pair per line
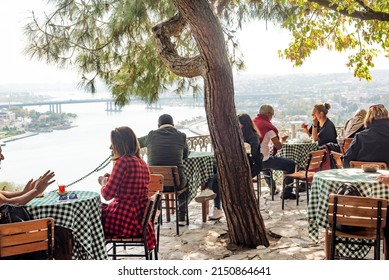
127, 186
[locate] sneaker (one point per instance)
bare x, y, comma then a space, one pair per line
205, 195
216, 215
289, 195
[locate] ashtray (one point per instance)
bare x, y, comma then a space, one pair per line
370, 167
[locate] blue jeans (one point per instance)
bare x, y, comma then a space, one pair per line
279, 163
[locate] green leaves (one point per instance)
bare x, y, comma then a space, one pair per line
347, 25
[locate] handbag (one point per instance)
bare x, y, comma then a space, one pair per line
13, 213
348, 189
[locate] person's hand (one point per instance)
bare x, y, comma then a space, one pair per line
315, 121
102, 180
44, 181
383, 179
29, 186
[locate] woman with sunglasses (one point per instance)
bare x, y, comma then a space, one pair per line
126, 188
372, 143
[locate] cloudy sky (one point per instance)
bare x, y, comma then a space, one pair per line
258, 45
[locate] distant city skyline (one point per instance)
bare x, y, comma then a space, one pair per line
258, 45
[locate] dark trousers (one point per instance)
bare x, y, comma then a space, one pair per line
279, 163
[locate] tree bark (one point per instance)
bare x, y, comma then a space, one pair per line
244, 220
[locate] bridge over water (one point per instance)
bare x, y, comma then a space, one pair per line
55, 105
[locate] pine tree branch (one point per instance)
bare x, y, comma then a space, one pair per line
182, 66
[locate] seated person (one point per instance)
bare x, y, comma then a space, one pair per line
268, 134
355, 124
372, 143
126, 187
322, 130
251, 136
31, 190
167, 146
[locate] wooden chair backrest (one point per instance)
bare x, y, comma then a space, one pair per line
337, 158
346, 144
27, 237
156, 183
358, 164
315, 160
357, 210
169, 173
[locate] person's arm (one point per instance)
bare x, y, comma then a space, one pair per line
114, 181
142, 141
276, 142
185, 153
351, 153
35, 187
29, 186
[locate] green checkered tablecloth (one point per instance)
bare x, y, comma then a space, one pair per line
198, 170
82, 216
326, 182
298, 152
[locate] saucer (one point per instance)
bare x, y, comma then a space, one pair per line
63, 193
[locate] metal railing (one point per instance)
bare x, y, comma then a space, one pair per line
200, 143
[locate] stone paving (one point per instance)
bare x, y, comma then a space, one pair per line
287, 231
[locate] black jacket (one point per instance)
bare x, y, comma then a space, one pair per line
371, 144
166, 146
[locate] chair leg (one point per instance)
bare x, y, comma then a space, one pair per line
386, 253
167, 207
327, 242
297, 191
272, 184
205, 210
283, 194
114, 251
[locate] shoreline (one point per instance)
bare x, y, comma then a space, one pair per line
196, 128
17, 137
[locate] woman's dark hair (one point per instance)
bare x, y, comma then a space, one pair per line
124, 142
248, 127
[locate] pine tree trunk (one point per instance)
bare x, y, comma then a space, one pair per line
244, 220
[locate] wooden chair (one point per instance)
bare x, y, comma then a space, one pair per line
346, 144
124, 242
27, 237
156, 185
358, 164
367, 214
337, 159
314, 164
171, 192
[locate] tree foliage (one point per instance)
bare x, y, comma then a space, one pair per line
144, 47
359, 26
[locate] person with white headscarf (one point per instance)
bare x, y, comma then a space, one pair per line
355, 124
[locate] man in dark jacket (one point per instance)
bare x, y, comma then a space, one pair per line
372, 143
167, 146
